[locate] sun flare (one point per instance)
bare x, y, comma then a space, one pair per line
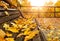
40, 2
37, 2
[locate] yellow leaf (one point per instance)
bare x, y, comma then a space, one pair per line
10, 39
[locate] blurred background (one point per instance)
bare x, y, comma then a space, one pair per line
47, 13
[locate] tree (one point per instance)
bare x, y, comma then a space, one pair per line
57, 4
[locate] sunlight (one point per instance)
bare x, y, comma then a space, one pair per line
54, 1
40, 2
37, 2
